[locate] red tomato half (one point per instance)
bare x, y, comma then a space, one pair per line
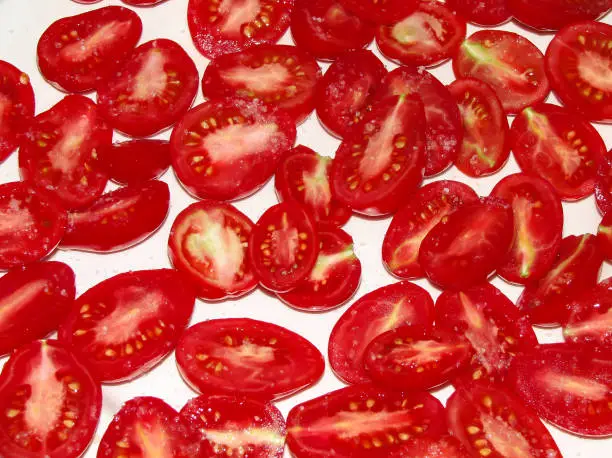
604, 236
509, 63
239, 356
33, 302
426, 447
209, 243
50, 403
425, 209
78, 52
603, 184
118, 220
136, 161
151, 91
491, 421
228, 149
357, 422
16, 107
569, 386
482, 12
554, 14
125, 325
60, 152
381, 12
387, 308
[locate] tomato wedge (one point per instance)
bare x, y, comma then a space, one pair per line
125, 325
482, 12
603, 184
359, 420
569, 386
426, 447
511, 64
239, 356
77, 53
151, 91
16, 107
383, 12
50, 403
209, 243
59, 154
491, 323
491, 421
227, 149
604, 236
554, 14
422, 212
33, 302
137, 161
237, 426
387, 308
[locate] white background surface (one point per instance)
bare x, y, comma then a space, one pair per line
21, 24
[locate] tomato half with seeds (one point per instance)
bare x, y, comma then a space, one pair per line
383, 12
50, 403
209, 243
152, 90
227, 149
554, 14
482, 12
604, 236
60, 152
137, 161
491, 421
78, 52
603, 184
125, 325
511, 64
239, 356
422, 212
16, 107
427, 447
387, 308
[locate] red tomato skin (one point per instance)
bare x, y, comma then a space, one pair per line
118, 220
17, 94
482, 12
381, 12
60, 52
425, 447
137, 161
427, 206
604, 236
35, 299
554, 14
142, 2
603, 184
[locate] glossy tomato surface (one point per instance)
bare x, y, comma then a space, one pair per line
554, 14
136, 161
16, 107
427, 447
381, 12
604, 236
603, 184
142, 2
482, 12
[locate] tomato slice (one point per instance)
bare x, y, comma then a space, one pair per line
118, 220
137, 161
334, 278
33, 302
468, 245
283, 247
511, 64
125, 325
387, 308
151, 91
427, 37
604, 236
231, 425
491, 323
490, 421
603, 184
426, 447
77, 53
16, 107
227, 149
50, 403
381, 12
575, 270
344, 94
482, 12
538, 227
554, 14
422, 212
59, 155
358, 421
569, 386
208, 243
485, 148
382, 160
239, 356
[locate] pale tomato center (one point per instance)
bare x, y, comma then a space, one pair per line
596, 70
104, 212
104, 37
236, 13
525, 247
235, 438
581, 387
336, 15
235, 142
420, 28
596, 326
326, 262
285, 242
473, 235
267, 79
420, 352
481, 55
15, 218
12, 303
66, 154
247, 355
151, 80
317, 192
152, 440
558, 274
506, 440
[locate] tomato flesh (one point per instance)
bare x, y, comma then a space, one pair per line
381, 12
142, 2
604, 236
134, 162
16, 107
554, 14
426, 447
603, 184
482, 12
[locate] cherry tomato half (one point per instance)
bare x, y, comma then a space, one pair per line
136, 161
16, 107
554, 14
482, 12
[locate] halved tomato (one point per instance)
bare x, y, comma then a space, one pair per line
227, 149
136, 161
538, 227
603, 184
33, 302
381, 12
125, 325
237, 426
569, 386
151, 91
427, 447
491, 421
59, 154
574, 271
118, 220
485, 148
604, 236
554, 14
491, 323
427, 37
482, 12
511, 64
209, 243
362, 421
239, 356
422, 212
16, 107
334, 278
50, 403
77, 53
387, 308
